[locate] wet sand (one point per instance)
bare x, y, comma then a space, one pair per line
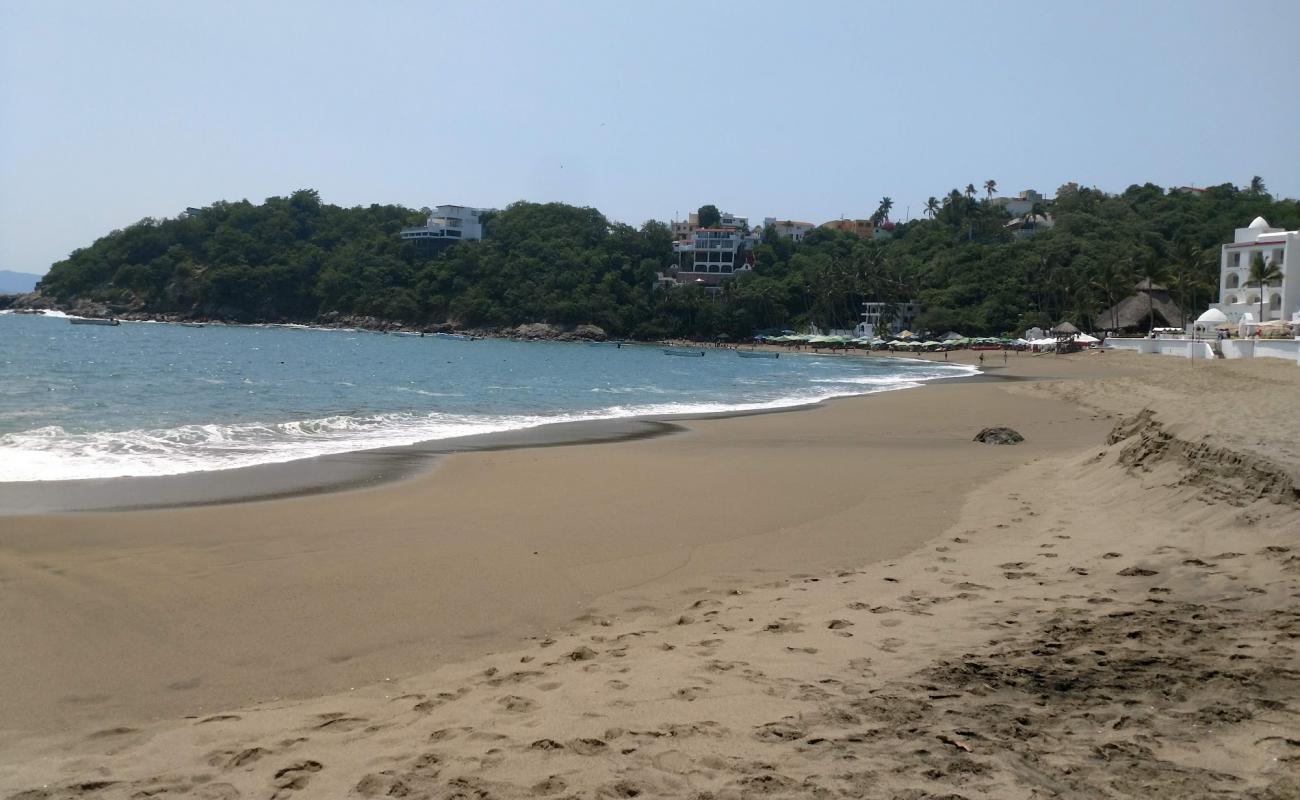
853, 599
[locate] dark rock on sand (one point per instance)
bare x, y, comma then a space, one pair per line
999, 436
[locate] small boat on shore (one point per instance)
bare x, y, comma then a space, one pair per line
93, 321
677, 351
757, 354
456, 337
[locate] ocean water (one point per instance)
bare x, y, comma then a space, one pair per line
82, 401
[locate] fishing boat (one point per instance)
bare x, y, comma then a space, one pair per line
677, 351
757, 354
457, 337
93, 321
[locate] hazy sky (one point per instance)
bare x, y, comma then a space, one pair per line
113, 111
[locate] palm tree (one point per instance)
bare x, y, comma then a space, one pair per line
1189, 262
932, 206
1153, 271
1113, 281
970, 190
1261, 274
1257, 185
886, 203
990, 186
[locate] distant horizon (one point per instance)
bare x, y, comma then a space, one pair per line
117, 111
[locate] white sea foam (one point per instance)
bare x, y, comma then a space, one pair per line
52, 453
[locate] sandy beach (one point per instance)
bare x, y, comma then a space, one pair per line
852, 600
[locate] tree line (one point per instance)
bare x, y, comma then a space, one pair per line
297, 259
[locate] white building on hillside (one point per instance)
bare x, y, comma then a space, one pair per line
873, 312
449, 224
1277, 246
1020, 205
706, 257
788, 228
684, 230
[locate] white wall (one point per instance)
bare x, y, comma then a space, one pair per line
1288, 349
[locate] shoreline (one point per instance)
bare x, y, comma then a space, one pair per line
874, 605
360, 469
300, 596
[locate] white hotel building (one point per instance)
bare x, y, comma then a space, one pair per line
1277, 246
448, 224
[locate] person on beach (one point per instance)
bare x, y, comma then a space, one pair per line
981, 359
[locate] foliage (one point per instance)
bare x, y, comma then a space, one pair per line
708, 216
296, 258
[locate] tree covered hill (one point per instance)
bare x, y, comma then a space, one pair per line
297, 259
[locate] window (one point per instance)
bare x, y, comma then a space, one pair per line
1236, 259
1277, 258
1230, 300
1233, 281
1275, 302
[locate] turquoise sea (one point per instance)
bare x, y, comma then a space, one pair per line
80, 401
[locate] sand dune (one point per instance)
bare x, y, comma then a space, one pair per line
1093, 616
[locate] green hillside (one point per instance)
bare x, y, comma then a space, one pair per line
296, 258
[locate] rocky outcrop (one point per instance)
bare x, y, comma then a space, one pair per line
1224, 475
32, 300
560, 333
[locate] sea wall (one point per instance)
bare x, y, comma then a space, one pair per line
1288, 349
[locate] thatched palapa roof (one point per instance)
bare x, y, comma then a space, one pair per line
1131, 313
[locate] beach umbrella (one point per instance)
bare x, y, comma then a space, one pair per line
906, 335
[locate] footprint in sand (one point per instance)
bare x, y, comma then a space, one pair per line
1137, 572
587, 747
231, 759
688, 693
583, 653
782, 625
425, 706
111, 732
516, 704
519, 676
779, 732
552, 785
294, 777
337, 721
